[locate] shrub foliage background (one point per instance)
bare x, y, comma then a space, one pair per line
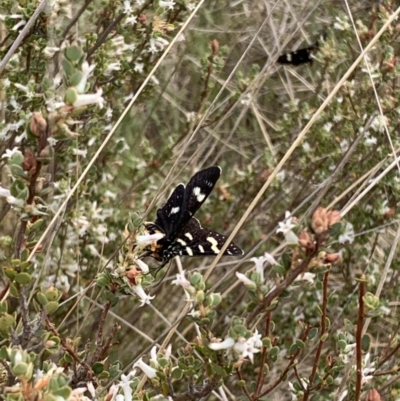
200, 86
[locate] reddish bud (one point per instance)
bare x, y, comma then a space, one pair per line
373, 395
331, 257
38, 124
132, 274
390, 213
214, 46
306, 241
323, 219
319, 221
29, 163
142, 19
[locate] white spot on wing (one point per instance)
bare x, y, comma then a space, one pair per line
214, 244
175, 210
181, 241
197, 193
189, 236
189, 251
201, 249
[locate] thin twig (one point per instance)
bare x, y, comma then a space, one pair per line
360, 322
105, 33
99, 340
26, 336
263, 356
22, 35
279, 289
322, 340
290, 365
244, 388
66, 347
108, 343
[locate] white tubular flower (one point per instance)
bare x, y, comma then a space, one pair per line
10, 153
90, 98
307, 276
168, 351
348, 235
142, 266
286, 226
139, 291
226, 344
86, 71
124, 384
153, 356
256, 339
259, 262
148, 239
91, 389
246, 348
112, 392
184, 282
4, 192
167, 4
246, 281
146, 369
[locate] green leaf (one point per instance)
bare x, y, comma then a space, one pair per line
41, 298
176, 373
76, 78
10, 272
219, 370
313, 332
273, 352
6, 321
73, 53
366, 342
98, 367
50, 307
70, 96
17, 171
36, 225
14, 291
52, 294
68, 68
293, 349
23, 278
336, 229
20, 369
16, 187
3, 353
64, 392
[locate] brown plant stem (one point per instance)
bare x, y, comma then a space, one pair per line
244, 388
99, 339
387, 355
199, 391
360, 323
66, 347
108, 343
26, 336
288, 367
260, 380
280, 288
102, 39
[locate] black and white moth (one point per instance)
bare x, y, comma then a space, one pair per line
183, 233
298, 57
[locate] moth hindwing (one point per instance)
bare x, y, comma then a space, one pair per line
298, 57
183, 233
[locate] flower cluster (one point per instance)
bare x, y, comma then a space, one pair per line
242, 347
